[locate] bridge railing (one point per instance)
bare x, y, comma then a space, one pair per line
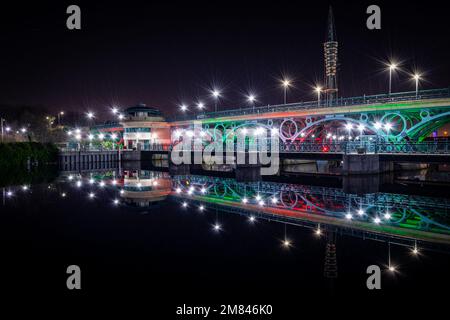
340, 102
368, 147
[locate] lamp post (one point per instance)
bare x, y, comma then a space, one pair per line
216, 95
251, 98
416, 77
2, 121
318, 90
392, 67
286, 84
60, 114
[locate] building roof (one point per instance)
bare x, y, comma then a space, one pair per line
143, 108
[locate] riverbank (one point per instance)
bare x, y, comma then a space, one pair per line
20, 154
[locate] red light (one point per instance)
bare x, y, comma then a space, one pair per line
325, 149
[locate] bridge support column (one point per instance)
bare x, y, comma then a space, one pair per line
365, 164
248, 172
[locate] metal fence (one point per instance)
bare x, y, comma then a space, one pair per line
340, 102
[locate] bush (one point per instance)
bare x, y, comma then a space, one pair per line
17, 154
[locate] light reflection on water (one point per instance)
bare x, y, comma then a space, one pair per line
414, 222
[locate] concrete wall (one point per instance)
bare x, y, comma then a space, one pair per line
365, 164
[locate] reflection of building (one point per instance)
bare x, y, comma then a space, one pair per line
143, 188
143, 127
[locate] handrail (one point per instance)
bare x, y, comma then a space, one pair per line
340, 102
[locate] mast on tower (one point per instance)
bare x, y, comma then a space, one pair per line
331, 53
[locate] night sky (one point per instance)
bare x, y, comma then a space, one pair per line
163, 55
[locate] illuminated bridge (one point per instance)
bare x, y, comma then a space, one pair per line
398, 127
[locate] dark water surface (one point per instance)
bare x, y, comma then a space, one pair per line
157, 243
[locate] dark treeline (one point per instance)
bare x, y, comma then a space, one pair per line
21, 154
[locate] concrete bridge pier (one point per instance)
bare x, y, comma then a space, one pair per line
365, 164
248, 172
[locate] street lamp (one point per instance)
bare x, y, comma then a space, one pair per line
200, 106
216, 95
251, 98
318, 89
416, 77
286, 83
183, 108
60, 114
392, 67
2, 121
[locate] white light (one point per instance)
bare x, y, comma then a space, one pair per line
114, 110
202, 133
274, 200
334, 137
116, 201
217, 227
23, 130
201, 208
318, 89
102, 184
259, 131
360, 212
286, 83
392, 268
78, 137
121, 191
91, 181
252, 219
244, 131
78, 131
258, 197
361, 127
114, 136
416, 77
302, 134
328, 135
203, 190
387, 215
79, 184
24, 188
377, 125
91, 137
9, 193
114, 182
377, 220
215, 93
178, 190
101, 136
251, 98
90, 115
261, 203
393, 66
318, 231
139, 185
63, 194
286, 243
245, 200
348, 216
274, 131
184, 204
349, 126
121, 116
69, 133
388, 126
183, 107
200, 106
155, 183
91, 195
415, 250
190, 133
70, 177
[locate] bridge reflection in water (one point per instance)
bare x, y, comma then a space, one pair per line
385, 216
